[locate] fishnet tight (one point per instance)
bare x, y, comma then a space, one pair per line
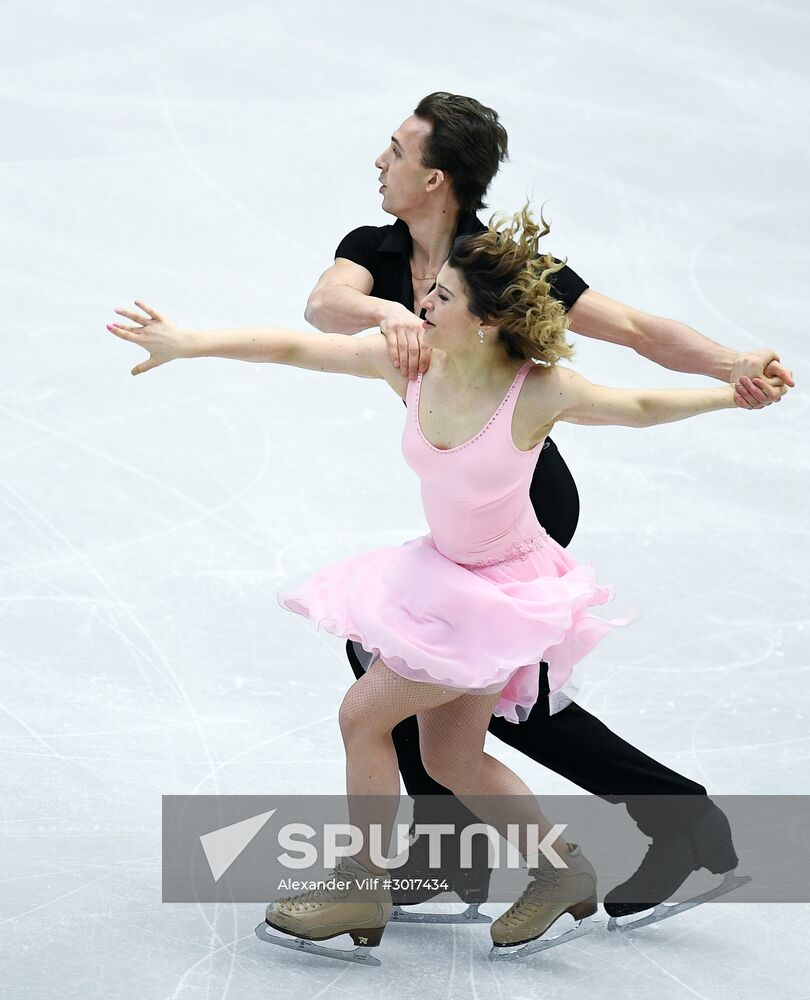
452, 729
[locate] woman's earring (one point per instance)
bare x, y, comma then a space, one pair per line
481, 335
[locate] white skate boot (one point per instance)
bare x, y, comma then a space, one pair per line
353, 901
552, 893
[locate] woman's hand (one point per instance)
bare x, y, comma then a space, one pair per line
749, 392
156, 334
760, 379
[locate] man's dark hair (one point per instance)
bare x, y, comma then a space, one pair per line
467, 142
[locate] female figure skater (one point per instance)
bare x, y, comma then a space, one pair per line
459, 619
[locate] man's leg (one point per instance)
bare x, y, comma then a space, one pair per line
572, 743
576, 745
688, 832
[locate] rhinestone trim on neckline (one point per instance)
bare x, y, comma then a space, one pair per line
472, 440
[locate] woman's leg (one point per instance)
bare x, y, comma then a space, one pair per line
373, 706
452, 746
453, 750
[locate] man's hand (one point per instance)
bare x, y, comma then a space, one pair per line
156, 334
759, 379
403, 332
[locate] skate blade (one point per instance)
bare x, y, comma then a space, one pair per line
666, 910
501, 953
469, 916
360, 955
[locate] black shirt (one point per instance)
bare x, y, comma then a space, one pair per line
385, 251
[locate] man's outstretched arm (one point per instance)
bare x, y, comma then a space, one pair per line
756, 374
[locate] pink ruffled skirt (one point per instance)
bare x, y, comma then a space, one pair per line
435, 621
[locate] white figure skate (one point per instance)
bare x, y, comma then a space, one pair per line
552, 893
358, 905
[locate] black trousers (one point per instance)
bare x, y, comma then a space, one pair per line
572, 742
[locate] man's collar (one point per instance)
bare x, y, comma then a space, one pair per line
468, 222
398, 238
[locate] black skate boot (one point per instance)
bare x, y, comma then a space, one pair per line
669, 861
470, 885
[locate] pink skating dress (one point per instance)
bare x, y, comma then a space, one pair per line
478, 602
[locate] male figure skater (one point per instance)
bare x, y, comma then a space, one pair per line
434, 175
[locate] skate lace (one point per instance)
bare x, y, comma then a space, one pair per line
540, 890
313, 897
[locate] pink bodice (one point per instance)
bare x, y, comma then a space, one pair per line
476, 496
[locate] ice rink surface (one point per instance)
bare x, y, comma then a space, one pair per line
207, 158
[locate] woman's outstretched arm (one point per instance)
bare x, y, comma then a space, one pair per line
366, 357
575, 400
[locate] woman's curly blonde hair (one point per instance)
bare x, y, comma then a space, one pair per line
507, 282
